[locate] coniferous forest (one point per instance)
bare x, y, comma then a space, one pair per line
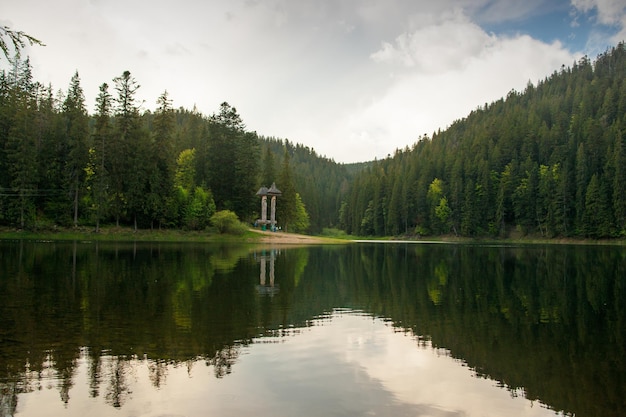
172, 168
548, 161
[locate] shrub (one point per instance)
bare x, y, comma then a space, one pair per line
226, 221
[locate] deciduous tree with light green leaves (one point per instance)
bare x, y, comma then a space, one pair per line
301, 221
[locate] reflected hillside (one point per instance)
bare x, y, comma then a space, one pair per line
549, 321
546, 321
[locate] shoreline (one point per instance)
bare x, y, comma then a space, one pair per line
284, 238
256, 236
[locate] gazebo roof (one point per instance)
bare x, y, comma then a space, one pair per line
269, 191
273, 190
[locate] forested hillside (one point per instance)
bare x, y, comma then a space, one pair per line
547, 161
60, 166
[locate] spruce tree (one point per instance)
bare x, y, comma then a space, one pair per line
77, 131
126, 164
162, 160
21, 148
98, 175
286, 204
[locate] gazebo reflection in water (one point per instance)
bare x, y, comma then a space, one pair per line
265, 287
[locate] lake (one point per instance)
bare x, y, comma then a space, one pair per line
444, 330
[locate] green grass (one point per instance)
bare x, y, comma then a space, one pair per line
112, 233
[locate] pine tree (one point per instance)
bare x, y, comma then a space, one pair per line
162, 163
225, 128
582, 181
98, 177
619, 185
126, 164
268, 175
77, 132
21, 147
592, 216
233, 162
286, 204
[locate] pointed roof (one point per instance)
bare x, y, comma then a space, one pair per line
273, 190
262, 191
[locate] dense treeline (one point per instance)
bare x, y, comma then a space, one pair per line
167, 168
548, 161
321, 182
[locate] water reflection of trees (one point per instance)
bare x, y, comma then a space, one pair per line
545, 321
109, 304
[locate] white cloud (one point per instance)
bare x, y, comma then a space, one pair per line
441, 73
609, 12
441, 46
353, 79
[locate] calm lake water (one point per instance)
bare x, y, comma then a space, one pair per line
366, 329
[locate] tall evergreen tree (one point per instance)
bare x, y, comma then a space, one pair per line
286, 204
98, 175
594, 210
232, 162
77, 131
161, 172
246, 175
619, 185
268, 175
126, 170
21, 148
582, 181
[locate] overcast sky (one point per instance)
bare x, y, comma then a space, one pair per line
352, 79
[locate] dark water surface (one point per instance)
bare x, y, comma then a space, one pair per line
390, 330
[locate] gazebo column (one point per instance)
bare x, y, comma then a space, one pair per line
263, 209
273, 214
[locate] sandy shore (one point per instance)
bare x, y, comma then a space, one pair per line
282, 238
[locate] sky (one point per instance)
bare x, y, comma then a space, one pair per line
352, 79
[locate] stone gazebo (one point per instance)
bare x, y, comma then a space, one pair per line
272, 192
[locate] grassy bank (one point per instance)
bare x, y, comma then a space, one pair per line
512, 239
125, 234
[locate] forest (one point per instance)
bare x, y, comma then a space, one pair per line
548, 161
171, 168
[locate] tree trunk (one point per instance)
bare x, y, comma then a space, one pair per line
76, 205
